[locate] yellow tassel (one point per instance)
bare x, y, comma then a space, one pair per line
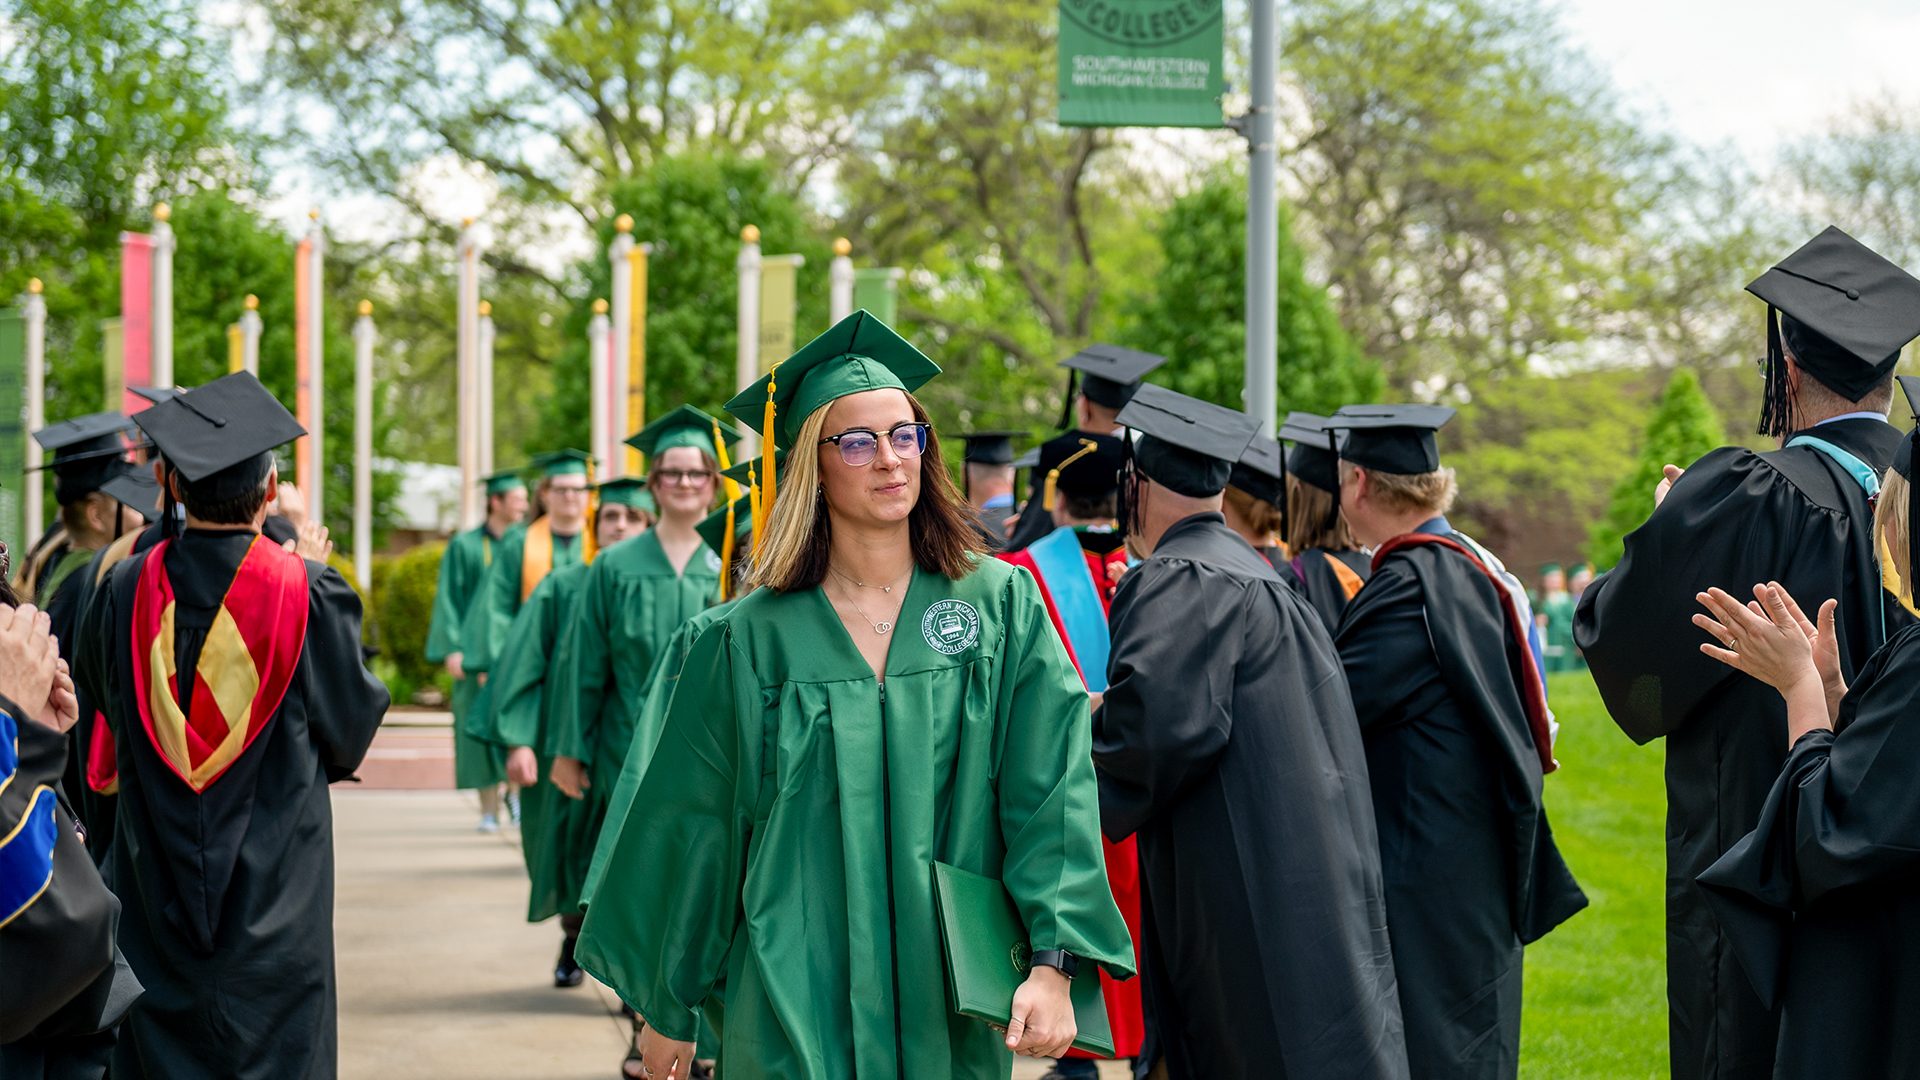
767, 477
756, 514
720, 455
726, 557
1087, 446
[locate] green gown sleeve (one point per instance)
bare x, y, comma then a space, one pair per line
661, 935
646, 735
451, 596
494, 604
520, 674
1049, 798
582, 667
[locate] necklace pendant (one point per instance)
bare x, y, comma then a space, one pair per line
882, 627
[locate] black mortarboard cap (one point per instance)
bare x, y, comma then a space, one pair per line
1089, 465
87, 452
1847, 311
1262, 472
1187, 444
157, 394
1111, 373
221, 430
990, 447
1312, 459
1391, 438
135, 487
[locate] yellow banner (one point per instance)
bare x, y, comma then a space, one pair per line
637, 356
778, 282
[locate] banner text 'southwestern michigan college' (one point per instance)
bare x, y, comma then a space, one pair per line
1140, 63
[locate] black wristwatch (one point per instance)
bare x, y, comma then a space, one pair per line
1060, 959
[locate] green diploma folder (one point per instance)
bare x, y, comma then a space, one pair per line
987, 950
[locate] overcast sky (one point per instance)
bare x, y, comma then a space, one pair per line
1751, 72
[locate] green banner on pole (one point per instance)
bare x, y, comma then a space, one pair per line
13, 428
877, 291
1140, 63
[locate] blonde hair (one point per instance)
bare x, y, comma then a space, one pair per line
793, 553
1890, 527
1401, 493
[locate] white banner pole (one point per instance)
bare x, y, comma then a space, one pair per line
363, 339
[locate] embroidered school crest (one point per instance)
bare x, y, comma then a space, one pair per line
713, 561
951, 626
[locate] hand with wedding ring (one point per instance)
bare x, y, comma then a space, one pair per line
1772, 640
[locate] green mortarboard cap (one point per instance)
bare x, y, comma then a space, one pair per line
684, 426
627, 491
562, 462
503, 481
859, 353
1550, 568
714, 528
738, 473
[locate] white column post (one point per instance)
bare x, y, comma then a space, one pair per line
598, 348
619, 363
35, 408
250, 328
317, 367
483, 384
363, 338
466, 345
163, 245
747, 353
840, 281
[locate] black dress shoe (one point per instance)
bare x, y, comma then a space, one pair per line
566, 973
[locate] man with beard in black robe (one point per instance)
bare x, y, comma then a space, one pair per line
1458, 740
1227, 745
225, 743
1837, 315
1106, 376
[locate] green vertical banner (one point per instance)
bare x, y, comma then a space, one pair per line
877, 290
1141, 63
13, 426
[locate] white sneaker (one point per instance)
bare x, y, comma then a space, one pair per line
488, 824
513, 807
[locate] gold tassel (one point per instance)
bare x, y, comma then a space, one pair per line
767, 478
1087, 446
726, 558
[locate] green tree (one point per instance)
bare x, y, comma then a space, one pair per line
1684, 427
107, 107
692, 210
1197, 314
1465, 174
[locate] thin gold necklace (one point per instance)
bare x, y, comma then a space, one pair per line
884, 626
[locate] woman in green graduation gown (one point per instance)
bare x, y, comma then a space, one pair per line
517, 720
812, 768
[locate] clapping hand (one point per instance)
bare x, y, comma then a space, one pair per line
30, 664
312, 543
1773, 641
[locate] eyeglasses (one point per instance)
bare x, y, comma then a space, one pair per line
683, 477
859, 446
556, 489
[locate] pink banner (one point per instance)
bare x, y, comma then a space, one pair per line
136, 318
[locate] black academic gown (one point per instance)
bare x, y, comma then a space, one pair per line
1821, 902
63, 984
96, 810
229, 893
1320, 583
1227, 745
1471, 870
1734, 519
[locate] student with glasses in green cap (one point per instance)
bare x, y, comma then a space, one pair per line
516, 719
464, 569
887, 698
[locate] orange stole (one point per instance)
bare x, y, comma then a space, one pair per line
244, 667
536, 555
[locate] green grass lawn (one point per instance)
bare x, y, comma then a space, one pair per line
1596, 987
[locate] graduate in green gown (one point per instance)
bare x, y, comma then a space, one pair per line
515, 723
778, 857
556, 537
463, 571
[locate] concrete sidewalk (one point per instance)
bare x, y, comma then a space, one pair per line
441, 977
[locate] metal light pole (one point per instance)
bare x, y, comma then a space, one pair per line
363, 338
1263, 225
